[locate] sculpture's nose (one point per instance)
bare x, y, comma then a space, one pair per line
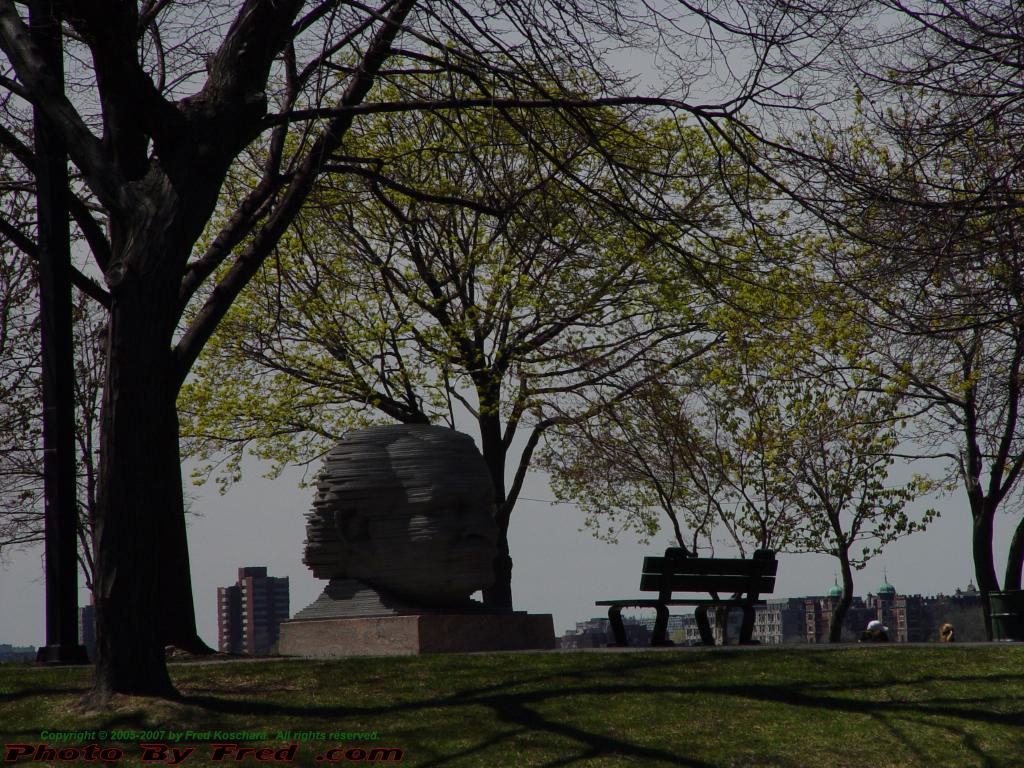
474, 536
476, 524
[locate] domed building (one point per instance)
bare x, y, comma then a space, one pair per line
909, 618
904, 617
818, 616
969, 591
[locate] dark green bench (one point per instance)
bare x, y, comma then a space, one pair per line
743, 580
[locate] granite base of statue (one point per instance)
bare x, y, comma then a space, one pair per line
403, 529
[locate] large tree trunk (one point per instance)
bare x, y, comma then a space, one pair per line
139, 495
143, 584
177, 609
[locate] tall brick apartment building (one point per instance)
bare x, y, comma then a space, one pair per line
250, 612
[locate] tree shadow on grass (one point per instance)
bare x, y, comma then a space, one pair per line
539, 715
516, 712
508, 708
7, 697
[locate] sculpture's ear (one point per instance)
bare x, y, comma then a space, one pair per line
353, 527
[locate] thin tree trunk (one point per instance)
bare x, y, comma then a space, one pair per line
499, 594
984, 566
1015, 558
835, 630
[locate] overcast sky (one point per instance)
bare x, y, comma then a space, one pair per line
558, 569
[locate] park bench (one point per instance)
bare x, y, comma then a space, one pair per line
743, 580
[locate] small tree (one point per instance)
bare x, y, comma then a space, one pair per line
781, 441
840, 475
795, 391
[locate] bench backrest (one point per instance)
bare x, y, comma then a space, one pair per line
674, 572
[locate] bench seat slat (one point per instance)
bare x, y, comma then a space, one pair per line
642, 603
708, 583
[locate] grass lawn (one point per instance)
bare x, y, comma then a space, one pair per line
941, 706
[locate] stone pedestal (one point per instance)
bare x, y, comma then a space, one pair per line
414, 634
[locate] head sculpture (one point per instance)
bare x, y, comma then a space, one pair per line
407, 509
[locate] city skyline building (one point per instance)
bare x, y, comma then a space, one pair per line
910, 619
249, 613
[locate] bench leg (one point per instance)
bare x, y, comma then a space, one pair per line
661, 627
618, 630
701, 614
747, 627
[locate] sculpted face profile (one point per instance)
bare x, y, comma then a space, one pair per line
407, 510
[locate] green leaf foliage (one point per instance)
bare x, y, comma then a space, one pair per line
779, 437
509, 269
